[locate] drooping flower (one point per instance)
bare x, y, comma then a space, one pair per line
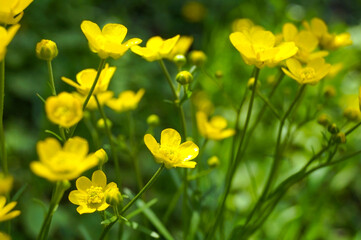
63, 163
258, 48
86, 77
64, 109
215, 128
91, 194
312, 73
5, 38
108, 41
5, 210
11, 11
170, 151
156, 48
127, 100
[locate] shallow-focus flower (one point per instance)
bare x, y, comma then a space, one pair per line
63, 163
46, 50
215, 128
258, 48
6, 183
327, 40
156, 48
11, 11
181, 47
91, 194
312, 73
127, 100
5, 38
108, 41
5, 213
64, 109
170, 151
86, 77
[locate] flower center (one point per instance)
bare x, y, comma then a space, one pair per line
95, 195
307, 73
168, 152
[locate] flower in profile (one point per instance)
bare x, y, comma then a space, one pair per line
259, 48
91, 194
181, 47
64, 109
5, 209
5, 38
327, 40
12, 11
6, 183
215, 128
170, 151
108, 41
312, 73
127, 100
86, 77
63, 163
156, 48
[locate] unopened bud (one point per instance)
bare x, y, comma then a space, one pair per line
153, 120
113, 196
323, 120
184, 77
352, 114
213, 162
46, 50
101, 154
197, 58
333, 128
101, 123
180, 60
218, 74
341, 137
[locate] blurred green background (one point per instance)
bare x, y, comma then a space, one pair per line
326, 206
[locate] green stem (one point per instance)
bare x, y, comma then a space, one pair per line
234, 162
100, 68
269, 104
109, 135
139, 194
169, 79
51, 78
3, 155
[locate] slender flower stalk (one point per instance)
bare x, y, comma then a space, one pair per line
51, 78
4, 163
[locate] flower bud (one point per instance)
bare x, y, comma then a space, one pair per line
184, 77
197, 58
101, 154
213, 162
153, 120
113, 196
333, 128
323, 120
101, 123
46, 50
329, 91
180, 60
352, 114
218, 74
340, 137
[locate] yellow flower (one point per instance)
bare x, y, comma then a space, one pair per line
5, 213
312, 73
258, 48
215, 128
4, 236
86, 77
103, 97
64, 109
6, 184
108, 41
5, 38
11, 11
127, 100
170, 151
63, 163
351, 107
327, 40
91, 194
156, 48
305, 41
181, 47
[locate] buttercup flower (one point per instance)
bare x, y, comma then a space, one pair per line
181, 47
11, 11
215, 128
91, 194
170, 151
5, 38
108, 41
86, 77
5, 213
64, 109
312, 73
156, 48
258, 48
127, 100
63, 163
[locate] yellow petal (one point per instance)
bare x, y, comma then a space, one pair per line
170, 137
293, 65
266, 39
70, 82
115, 31
43, 171
168, 45
201, 118
133, 41
151, 143
78, 197
103, 206
289, 32
84, 209
21, 5
11, 215
154, 43
226, 133
77, 145
110, 185
7, 208
306, 41
188, 151
47, 149
188, 164
2, 201
91, 31
99, 179
83, 183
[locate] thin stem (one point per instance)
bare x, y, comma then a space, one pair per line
3, 155
169, 79
269, 104
51, 78
109, 135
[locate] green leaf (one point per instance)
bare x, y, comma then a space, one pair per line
109, 220
137, 227
55, 135
139, 210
